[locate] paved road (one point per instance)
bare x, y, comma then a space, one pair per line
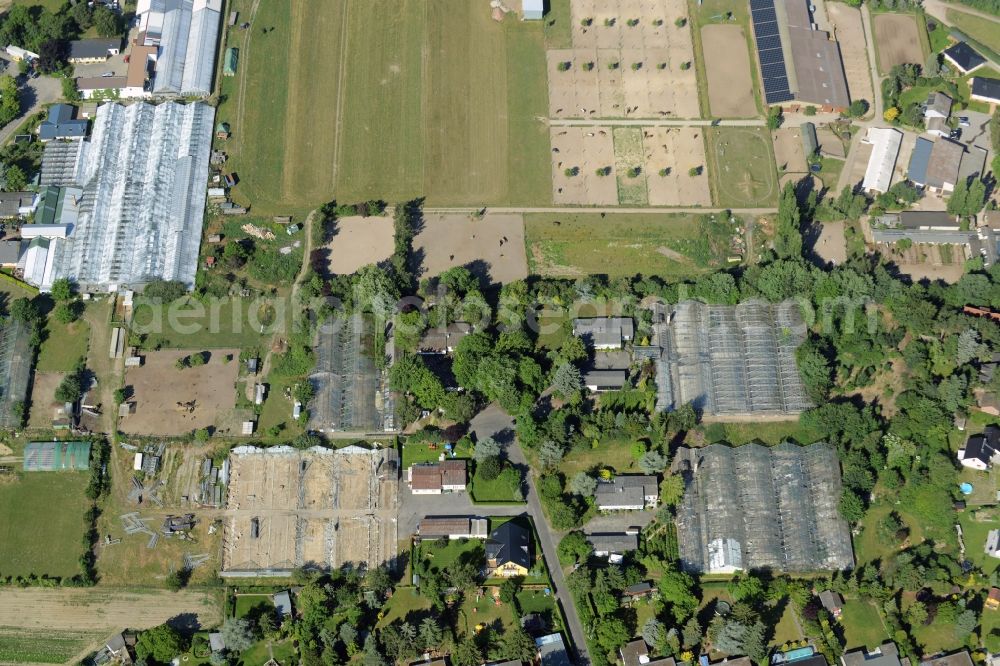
655, 122
493, 422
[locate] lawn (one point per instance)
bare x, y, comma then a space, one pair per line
283, 652
535, 600
18, 645
504, 488
558, 25
938, 38
766, 432
786, 631
419, 99
672, 245
42, 524
405, 600
415, 453
868, 547
607, 453
442, 557
830, 171
64, 345
277, 409
628, 161
741, 167
191, 324
862, 625
935, 637
975, 532
247, 604
987, 32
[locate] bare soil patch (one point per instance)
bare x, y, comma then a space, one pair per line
831, 245
100, 609
853, 48
360, 241
730, 86
897, 40
491, 246
670, 153
43, 399
585, 149
158, 388
789, 155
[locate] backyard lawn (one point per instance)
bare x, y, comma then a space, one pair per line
64, 345
42, 523
862, 625
405, 600
504, 488
976, 525
671, 245
442, 557
786, 631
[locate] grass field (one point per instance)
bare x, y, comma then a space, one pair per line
671, 245
938, 38
768, 432
499, 489
417, 98
632, 190
741, 166
986, 32
41, 646
193, 324
862, 625
42, 525
64, 345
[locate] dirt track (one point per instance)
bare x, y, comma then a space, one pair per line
101, 610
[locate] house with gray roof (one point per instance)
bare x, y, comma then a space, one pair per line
629, 492
604, 332
885, 655
552, 650
963, 57
938, 106
613, 545
943, 165
60, 124
599, 381
93, 50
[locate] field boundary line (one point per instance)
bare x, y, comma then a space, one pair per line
341, 74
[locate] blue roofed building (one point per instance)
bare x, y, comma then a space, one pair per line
60, 124
919, 159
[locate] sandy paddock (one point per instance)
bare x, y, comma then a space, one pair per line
788, 152
897, 40
360, 241
494, 243
589, 148
310, 508
647, 91
853, 48
158, 386
730, 86
677, 149
43, 399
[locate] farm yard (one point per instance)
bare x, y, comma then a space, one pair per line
897, 40
491, 247
789, 154
419, 85
42, 524
622, 244
173, 402
359, 241
741, 165
854, 48
628, 59
631, 166
730, 81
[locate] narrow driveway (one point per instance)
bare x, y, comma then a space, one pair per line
493, 422
35, 94
866, 22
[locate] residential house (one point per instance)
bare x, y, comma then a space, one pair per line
601, 381
938, 106
938, 127
604, 332
985, 90
216, 642
453, 527
93, 50
885, 655
116, 648
16, 204
955, 659
942, 166
443, 339
613, 546
636, 653
60, 124
638, 591
632, 492
963, 57
885, 142
980, 451
552, 651
17, 54
508, 551
437, 478
993, 600
916, 171
832, 602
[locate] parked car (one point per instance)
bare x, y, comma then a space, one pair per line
963, 121
955, 133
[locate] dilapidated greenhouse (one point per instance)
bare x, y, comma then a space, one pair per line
753, 506
730, 360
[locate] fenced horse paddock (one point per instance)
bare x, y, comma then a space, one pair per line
320, 507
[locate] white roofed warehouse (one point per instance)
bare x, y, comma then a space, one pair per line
885, 143
143, 176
